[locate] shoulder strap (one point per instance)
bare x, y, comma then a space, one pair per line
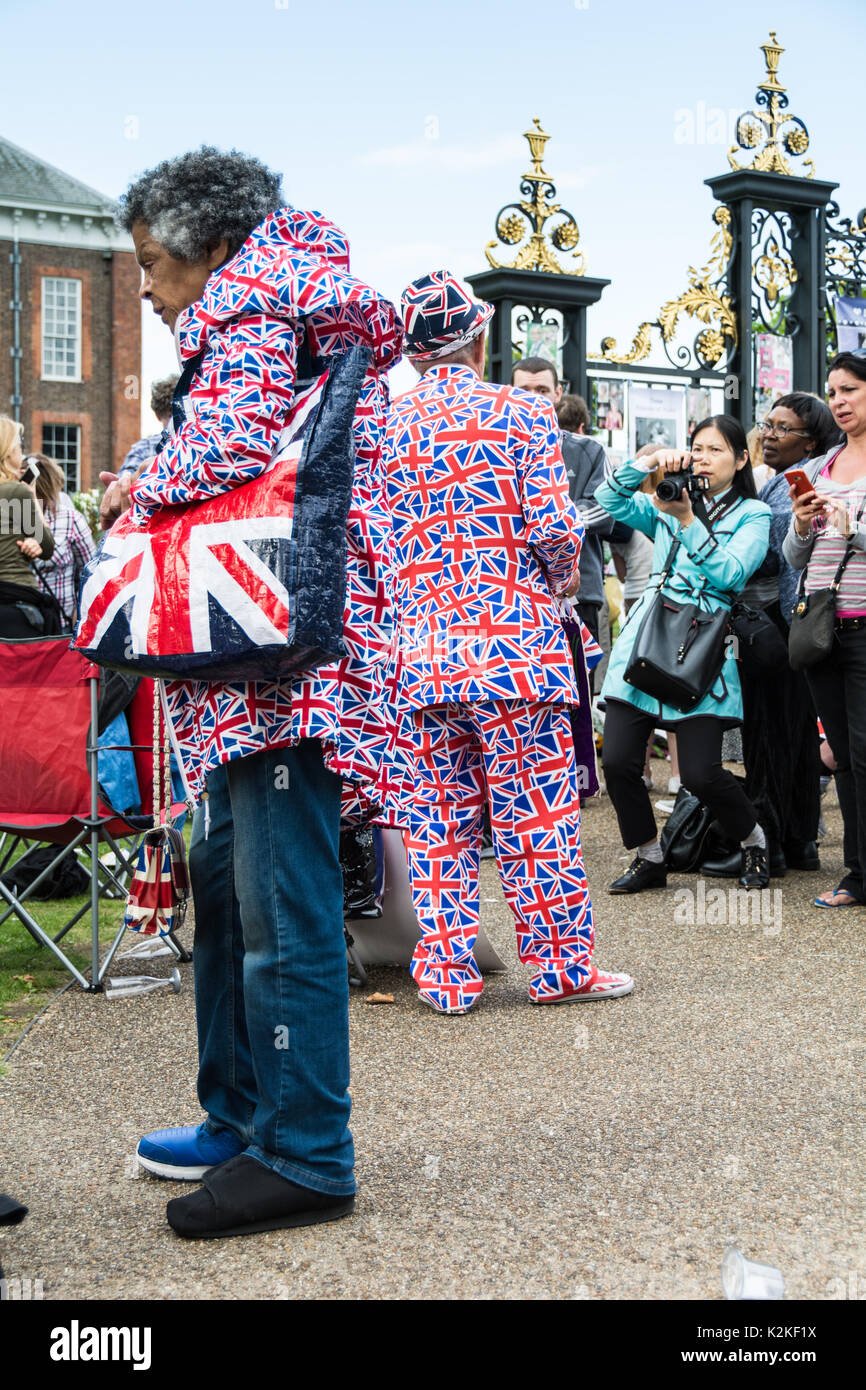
67, 617
718, 509
669, 562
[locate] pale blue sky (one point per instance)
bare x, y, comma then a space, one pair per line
344, 98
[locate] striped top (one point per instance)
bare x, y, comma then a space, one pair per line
830, 546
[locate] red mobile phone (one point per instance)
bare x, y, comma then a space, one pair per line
800, 481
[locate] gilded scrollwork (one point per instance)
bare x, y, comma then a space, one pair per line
639, 349
769, 131
774, 274
774, 271
705, 298
527, 221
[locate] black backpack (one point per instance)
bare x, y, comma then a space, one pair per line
66, 880
684, 837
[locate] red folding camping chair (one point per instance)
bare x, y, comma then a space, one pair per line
49, 784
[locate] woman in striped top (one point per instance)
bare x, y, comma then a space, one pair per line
823, 522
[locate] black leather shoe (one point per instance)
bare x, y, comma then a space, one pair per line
803, 857
732, 865
242, 1196
640, 874
756, 868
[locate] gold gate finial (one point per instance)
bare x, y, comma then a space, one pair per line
772, 53
769, 131
525, 221
537, 139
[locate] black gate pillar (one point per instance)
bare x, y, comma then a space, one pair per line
779, 240
767, 272
537, 294
535, 282
777, 269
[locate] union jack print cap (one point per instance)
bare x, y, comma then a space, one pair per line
440, 316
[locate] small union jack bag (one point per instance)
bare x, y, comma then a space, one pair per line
160, 887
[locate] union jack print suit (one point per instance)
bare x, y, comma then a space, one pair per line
288, 283
485, 537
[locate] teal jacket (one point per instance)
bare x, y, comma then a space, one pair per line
710, 569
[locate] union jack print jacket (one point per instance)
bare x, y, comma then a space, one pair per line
288, 284
485, 537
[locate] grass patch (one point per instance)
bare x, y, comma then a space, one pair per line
31, 973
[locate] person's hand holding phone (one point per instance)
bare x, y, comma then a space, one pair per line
28, 475
807, 506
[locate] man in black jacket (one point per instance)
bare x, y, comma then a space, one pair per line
587, 467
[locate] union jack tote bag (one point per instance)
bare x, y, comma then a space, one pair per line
249, 585
160, 885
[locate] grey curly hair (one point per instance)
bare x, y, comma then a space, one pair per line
198, 198
162, 395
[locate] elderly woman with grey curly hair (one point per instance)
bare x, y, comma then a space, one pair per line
253, 292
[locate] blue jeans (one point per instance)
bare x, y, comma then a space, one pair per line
271, 984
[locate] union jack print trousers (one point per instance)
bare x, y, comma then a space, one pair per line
521, 756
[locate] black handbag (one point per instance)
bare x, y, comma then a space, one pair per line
685, 834
760, 645
40, 611
813, 624
679, 649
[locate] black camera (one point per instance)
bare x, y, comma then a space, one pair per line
673, 485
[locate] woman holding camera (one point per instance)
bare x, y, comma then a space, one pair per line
826, 522
720, 533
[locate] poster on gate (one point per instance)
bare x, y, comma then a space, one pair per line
542, 340
774, 370
850, 316
657, 415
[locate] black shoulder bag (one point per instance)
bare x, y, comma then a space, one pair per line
814, 622
679, 649
760, 645
685, 833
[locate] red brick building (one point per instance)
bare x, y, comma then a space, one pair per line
70, 320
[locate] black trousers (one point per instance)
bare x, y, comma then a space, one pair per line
699, 749
589, 614
838, 687
781, 752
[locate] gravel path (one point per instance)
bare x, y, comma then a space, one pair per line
593, 1151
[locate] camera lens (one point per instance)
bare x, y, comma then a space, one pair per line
670, 488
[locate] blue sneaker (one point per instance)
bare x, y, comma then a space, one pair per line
188, 1152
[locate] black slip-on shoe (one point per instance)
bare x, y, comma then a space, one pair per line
756, 868
242, 1196
803, 857
640, 874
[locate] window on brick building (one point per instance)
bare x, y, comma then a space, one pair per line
63, 444
61, 328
